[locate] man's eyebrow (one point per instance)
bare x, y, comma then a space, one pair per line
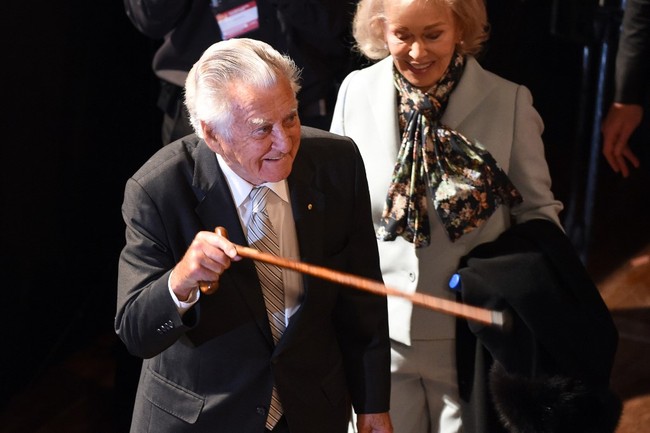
257, 121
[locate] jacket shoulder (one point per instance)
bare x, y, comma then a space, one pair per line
310, 134
178, 153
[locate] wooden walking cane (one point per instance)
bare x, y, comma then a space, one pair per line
470, 312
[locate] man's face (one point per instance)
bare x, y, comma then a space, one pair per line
265, 133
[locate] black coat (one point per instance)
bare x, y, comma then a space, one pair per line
548, 369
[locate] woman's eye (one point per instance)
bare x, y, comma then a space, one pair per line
402, 36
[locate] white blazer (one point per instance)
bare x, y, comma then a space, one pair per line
484, 107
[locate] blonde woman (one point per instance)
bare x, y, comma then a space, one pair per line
453, 155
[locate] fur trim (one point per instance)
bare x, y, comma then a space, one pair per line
552, 404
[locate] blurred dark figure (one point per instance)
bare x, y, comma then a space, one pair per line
632, 79
315, 33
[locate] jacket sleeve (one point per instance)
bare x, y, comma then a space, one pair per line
147, 319
156, 18
633, 57
363, 317
338, 117
528, 167
317, 21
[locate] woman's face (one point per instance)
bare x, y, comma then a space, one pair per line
421, 36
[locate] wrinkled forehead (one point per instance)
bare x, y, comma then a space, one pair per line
257, 105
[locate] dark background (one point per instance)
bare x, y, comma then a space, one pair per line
80, 117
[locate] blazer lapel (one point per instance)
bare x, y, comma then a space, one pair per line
216, 208
382, 99
472, 87
378, 124
308, 207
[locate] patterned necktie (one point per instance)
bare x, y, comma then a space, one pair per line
263, 237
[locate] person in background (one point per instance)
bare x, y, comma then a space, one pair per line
248, 355
631, 87
454, 156
315, 33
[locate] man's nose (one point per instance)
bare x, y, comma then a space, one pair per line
281, 140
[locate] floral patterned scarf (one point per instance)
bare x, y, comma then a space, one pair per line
465, 181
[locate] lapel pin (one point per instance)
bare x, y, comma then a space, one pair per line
310, 206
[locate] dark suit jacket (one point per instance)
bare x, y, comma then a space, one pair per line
213, 369
633, 56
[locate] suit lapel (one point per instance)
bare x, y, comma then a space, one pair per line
383, 103
308, 207
377, 125
472, 87
216, 208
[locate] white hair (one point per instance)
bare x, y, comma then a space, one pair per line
222, 67
369, 19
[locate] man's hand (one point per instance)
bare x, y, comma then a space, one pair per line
618, 126
208, 256
374, 423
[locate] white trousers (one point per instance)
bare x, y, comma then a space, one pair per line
424, 391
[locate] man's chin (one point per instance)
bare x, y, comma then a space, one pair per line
276, 171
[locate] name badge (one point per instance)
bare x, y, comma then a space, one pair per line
237, 20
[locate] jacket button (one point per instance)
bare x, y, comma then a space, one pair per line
261, 410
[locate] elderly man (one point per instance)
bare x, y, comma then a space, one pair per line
263, 348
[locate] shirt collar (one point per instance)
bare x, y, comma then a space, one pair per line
240, 188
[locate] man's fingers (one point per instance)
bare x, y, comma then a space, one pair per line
624, 171
611, 160
220, 242
627, 153
208, 287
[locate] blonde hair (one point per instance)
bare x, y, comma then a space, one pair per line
368, 26
230, 63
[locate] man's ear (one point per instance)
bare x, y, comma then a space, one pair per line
210, 138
